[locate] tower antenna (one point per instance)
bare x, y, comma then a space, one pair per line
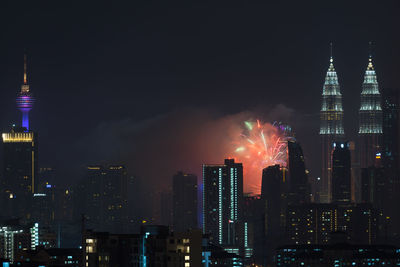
25, 76
370, 50
331, 47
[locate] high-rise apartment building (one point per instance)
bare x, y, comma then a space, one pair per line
184, 206
222, 203
331, 127
313, 223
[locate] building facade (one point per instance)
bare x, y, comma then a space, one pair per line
154, 246
314, 223
222, 203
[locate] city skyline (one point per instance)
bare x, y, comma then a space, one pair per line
62, 74
141, 134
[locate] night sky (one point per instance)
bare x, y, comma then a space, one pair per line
147, 84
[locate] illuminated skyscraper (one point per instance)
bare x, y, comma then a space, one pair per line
370, 116
25, 99
222, 202
20, 171
331, 127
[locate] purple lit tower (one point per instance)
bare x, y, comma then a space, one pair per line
25, 100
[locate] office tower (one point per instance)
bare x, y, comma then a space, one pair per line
341, 173
273, 197
391, 152
274, 202
391, 129
376, 190
184, 206
115, 197
355, 173
373, 185
370, 119
20, 171
299, 189
91, 192
331, 127
103, 197
222, 203
25, 99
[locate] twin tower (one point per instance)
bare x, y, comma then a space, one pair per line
331, 124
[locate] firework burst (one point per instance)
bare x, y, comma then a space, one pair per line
259, 146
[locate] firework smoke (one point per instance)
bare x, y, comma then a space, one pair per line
258, 146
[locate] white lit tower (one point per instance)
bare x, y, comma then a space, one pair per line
370, 119
331, 127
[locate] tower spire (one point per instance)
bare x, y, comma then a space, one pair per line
370, 66
370, 50
25, 75
331, 67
